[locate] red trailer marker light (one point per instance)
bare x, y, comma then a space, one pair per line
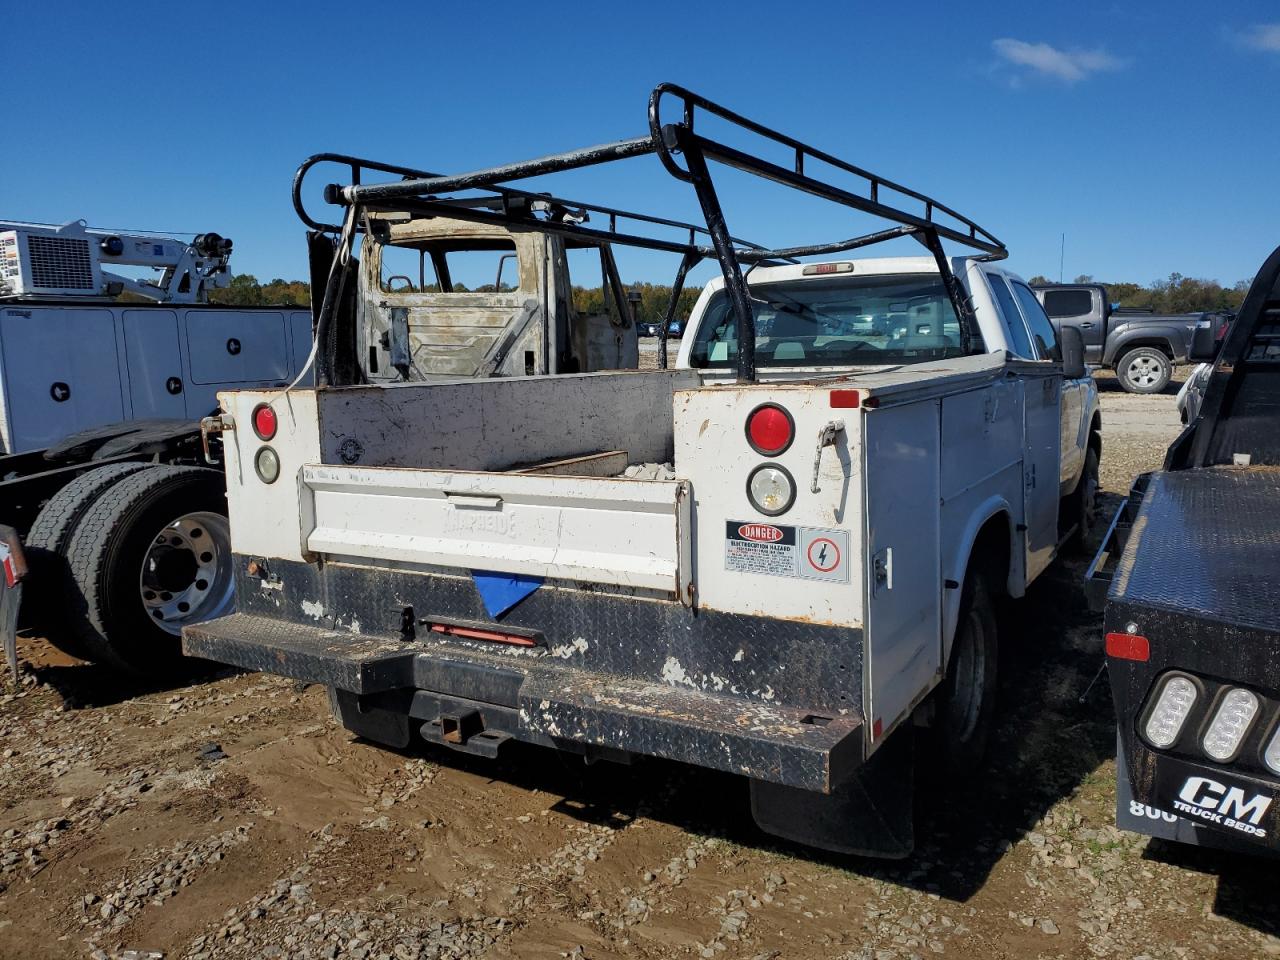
845, 399
264, 421
770, 429
1128, 646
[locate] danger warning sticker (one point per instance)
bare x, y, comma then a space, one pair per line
809, 553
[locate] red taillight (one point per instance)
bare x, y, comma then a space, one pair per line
1128, 646
264, 422
845, 399
770, 429
493, 636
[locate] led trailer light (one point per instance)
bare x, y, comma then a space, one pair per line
1164, 724
1271, 756
1230, 723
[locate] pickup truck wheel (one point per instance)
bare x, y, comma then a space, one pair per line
149, 556
1085, 502
1144, 370
46, 543
966, 702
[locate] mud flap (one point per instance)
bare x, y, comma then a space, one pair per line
13, 567
872, 814
387, 727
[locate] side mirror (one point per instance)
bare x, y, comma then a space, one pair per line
1204, 343
1072, 353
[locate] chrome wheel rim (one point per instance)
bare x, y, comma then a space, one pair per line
1144, 371
186, 572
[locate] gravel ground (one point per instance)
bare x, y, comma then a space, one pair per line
233, 819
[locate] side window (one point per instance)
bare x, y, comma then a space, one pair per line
1020, 339
407, 270
1068, 303
1042, 330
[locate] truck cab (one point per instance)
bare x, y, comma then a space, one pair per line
418, 319
1141, 346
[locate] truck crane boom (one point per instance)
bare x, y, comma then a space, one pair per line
73, 260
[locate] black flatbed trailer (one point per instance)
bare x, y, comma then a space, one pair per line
1189, 580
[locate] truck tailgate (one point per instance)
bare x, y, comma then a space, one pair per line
630, 533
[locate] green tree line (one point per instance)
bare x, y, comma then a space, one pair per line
1177, 294
245, 290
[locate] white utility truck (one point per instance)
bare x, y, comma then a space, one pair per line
101, 399
778, 558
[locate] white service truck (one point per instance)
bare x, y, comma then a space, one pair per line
778, 558
101, 466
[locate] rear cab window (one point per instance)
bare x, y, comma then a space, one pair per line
455, 265
849, 320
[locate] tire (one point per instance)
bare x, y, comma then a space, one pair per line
1084, 502
46, 547
1144, 370
150, 555
966, 700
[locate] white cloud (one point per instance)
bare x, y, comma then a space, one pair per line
1262, 36
1068, 66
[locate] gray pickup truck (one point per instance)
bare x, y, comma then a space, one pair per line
1141, 347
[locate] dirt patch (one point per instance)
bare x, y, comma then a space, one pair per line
118, 831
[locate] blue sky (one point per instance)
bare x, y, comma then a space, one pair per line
1146, 133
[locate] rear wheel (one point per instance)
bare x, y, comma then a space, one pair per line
1144, 370
51, 582
150, 556
966, 699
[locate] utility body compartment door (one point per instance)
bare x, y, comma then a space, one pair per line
903, 578
1041, 471
61, 372
156, 378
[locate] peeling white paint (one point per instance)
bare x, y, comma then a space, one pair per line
566, 650
313, 609
675, 675
737, 657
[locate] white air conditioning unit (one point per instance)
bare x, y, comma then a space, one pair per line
49, 261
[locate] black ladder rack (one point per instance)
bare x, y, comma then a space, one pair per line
428, 194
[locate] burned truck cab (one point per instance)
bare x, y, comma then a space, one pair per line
1188, 576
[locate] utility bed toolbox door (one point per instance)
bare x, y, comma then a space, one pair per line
631, 533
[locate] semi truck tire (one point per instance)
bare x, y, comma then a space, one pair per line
1144, 370
966, 704
150, 555
46, 543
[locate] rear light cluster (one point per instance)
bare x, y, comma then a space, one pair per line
770, 432
1227, 720
266, 462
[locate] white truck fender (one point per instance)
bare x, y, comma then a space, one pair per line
955, 565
